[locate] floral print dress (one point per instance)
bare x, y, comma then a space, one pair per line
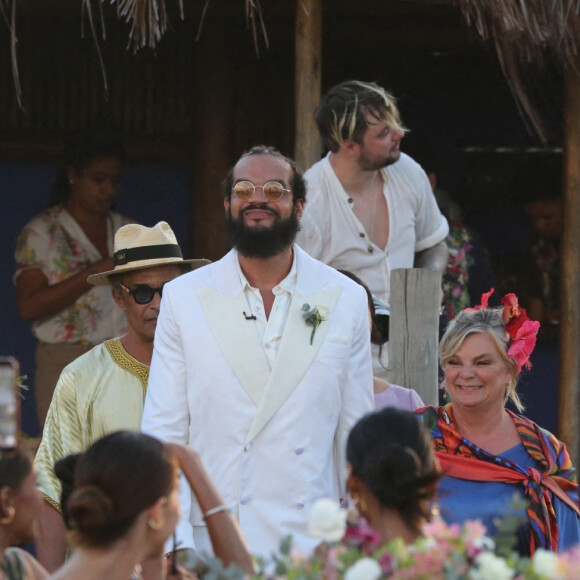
55, 243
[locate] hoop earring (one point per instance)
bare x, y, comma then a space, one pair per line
154, 525
10, 517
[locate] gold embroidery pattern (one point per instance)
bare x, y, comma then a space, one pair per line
54, 504
127, 362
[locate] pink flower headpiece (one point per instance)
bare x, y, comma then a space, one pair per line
523, 331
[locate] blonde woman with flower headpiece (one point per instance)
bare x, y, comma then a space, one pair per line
487, 452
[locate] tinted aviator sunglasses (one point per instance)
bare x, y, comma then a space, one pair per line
245, 190
143, 294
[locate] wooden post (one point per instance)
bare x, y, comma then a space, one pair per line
308, 53
414, 331
569, 384
211, 141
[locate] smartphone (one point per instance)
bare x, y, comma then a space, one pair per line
9, 403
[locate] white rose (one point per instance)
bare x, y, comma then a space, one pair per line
490, 567
323, 311
545, 564
364, 569
484, 543
327, 521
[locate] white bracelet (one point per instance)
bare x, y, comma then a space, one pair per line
215, 510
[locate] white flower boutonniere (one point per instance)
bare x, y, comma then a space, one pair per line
314, 316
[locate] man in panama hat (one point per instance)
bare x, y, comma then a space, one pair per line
104, 390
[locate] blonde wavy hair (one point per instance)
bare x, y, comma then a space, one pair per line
487, 320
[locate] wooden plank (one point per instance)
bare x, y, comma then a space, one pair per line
569, 382
308, 53
414, 331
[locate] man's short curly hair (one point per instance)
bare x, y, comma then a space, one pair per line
297, 185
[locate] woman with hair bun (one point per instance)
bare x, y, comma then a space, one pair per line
486, 451
19, 505
393, 473
124, 505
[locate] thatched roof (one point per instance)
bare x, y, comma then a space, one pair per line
528, 35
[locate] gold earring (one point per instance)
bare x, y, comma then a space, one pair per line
10, 517
154, 525
362, 507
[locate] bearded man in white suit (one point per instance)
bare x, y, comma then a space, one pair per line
262, 364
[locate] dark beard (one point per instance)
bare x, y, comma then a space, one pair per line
262, 242
366, 165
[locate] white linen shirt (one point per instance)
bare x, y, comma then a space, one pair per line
332, 233
270, 329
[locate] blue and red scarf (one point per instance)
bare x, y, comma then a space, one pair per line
462, 459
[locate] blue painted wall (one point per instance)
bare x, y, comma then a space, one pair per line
148, 194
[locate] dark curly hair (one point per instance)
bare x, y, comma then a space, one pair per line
15, 465
102, 141
391, 452
298, 184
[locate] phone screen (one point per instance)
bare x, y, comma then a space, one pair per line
9, 403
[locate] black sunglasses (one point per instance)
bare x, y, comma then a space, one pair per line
143, 294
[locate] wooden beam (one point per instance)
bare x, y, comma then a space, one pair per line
569, 385
414, 331
211, 142
308, 52
38, 148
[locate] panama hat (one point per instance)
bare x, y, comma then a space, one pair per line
138, 247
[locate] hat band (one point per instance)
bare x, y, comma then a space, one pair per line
147, 253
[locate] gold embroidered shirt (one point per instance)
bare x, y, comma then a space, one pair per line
100, 392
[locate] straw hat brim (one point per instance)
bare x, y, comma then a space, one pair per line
103, 278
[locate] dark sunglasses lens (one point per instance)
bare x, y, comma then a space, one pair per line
143, 294
273, 190
244, 190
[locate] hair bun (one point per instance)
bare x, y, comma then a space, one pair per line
89, 507
396, 476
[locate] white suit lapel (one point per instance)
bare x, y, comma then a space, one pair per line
295, 354
237, 339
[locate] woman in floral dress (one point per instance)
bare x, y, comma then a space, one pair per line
59, 248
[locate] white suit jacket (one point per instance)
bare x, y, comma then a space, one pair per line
272, 441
